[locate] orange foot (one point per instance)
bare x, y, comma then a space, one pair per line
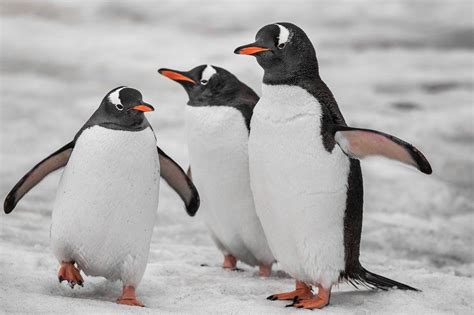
265, 270
318, 301
229, 262
128, 297
70, 273
302, 291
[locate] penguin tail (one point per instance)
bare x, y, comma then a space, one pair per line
374, 281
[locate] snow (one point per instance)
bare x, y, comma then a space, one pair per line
402, 67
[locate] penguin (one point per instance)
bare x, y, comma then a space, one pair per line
305, 171
106, 202
218, 116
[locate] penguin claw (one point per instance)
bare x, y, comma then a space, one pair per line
316, 302
294, 296
296, 300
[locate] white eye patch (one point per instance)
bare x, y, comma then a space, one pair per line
284, 35
206, 75
114, 96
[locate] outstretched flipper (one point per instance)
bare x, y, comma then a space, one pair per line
180, 182
53, 162
359, 143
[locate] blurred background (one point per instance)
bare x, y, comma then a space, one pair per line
402, 67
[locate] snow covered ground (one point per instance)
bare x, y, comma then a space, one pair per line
406, 68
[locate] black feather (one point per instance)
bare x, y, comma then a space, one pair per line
370, 280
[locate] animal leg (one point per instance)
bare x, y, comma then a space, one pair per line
128, 297
70, 273
230, 262
265, 270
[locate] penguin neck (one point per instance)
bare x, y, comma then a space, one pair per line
222, 97
301, 76
100, 118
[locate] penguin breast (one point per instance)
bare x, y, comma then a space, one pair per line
106, 202
299, 187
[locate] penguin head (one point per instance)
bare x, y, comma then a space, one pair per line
207, 85
284, 51
124, 106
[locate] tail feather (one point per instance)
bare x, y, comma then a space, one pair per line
374, 281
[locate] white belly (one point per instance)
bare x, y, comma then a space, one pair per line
106, 203
218, 153
299, 188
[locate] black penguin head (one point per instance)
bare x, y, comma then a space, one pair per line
209, 85
122, 107
285, 52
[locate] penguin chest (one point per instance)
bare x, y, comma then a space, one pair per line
218, 153
106, 203
299, 187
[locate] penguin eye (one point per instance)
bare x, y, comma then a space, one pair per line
119, 106
281, 46
204, 82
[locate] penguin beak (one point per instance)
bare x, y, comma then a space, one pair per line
176, 75
143, 107
250, 49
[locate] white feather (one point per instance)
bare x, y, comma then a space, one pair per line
299, 187
114, 96
218, 153
284, 34
208, 72
106, 204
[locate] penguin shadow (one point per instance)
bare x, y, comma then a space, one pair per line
279, 274
99, 290
354, 297
219, 267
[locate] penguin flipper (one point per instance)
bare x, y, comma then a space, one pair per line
359, 143
53, 162
174, 175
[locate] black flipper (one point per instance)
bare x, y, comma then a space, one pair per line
359, 143
179, 181
53, 162
373, 281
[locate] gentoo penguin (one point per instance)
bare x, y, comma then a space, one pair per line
218, 121
106, 203
304, 172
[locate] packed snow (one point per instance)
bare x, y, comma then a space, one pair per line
403, 67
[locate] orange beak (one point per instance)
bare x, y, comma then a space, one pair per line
251, 49
176, 76
144, 107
